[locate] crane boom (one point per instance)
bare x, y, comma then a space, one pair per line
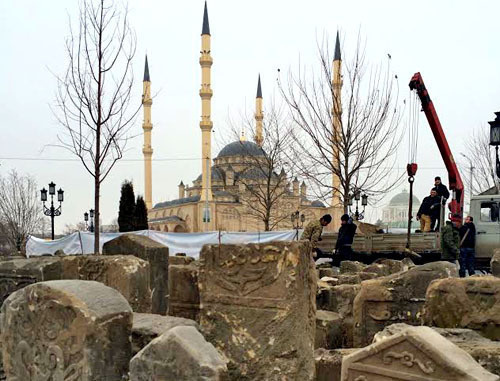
455, 181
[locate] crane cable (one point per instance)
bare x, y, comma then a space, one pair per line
413, 127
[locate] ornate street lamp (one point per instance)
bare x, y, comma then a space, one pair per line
86, 215
296, 217
52, 211
495, 138
357, 196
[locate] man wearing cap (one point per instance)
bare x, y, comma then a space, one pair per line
443, 193
312, 233
345, 238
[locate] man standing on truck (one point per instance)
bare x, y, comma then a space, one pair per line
442, 191
345, 238
450, 241
467, 243
312, 233
428, 211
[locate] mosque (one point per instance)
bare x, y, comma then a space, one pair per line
220, 197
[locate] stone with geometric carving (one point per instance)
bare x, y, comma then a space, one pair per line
258, 308
415, 354
66, 330
397, 298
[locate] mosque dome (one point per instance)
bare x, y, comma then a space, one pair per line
241, 148
402, 199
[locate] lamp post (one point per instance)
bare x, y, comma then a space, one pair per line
52, 211
86, 215
296, 217
356, 196
495, 138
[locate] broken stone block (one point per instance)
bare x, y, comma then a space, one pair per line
378, 268
486, 352
184, 298
258, 308
349, 278
179, 260
125, 273
180, 354
156, 254
146, 327
328, 330
495, 263
326, 272
472, 302
366, 275
418, 353
351, 267
66, 329
397, 298
394, 265
329, 363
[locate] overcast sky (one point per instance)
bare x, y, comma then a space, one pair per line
454, 44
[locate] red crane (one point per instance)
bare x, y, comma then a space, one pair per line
455, 181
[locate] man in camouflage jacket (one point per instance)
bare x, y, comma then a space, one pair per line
450, 240
313, 231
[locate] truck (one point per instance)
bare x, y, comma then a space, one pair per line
425, 247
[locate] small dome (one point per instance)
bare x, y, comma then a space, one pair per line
241, 148
402, 199
318, 204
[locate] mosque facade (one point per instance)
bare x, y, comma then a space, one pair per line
221, 197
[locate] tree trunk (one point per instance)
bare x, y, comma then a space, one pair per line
96, 215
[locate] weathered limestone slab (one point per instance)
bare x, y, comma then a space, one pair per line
146, 327
351, 267
329, 363
180, 354
157, 256
418, 353
184, 298
486, 352
328, 330
66, 330
125, 273
349, 279
326, 271
258, 308
472, 302
397, 298
495, 263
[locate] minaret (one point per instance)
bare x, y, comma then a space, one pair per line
336, 121
258, 116
206, 123
147, 127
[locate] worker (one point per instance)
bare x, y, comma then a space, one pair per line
428, 211
312, 233
467, 244
444, 194
343, 246
450, 241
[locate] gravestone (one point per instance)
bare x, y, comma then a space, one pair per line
184, 296
156, 254
66, 330
180, 354
472, 302
258, 308
416, 354
397, 298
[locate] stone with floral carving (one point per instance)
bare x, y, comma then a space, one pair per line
258, 308
66, 330
415, 354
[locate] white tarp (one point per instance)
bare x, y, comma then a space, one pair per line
189, 243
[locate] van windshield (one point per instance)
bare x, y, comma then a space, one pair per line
489, 211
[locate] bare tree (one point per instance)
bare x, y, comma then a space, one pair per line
361, 150
20, 209
94, 95
264, 183
481, 157
78, 227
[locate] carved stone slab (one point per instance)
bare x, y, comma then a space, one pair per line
184, 296
258, 308
416, 354
472, 302
66, 330
397, 298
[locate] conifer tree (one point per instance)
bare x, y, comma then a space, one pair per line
141, 214
126, 213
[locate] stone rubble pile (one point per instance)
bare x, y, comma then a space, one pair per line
244, 312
